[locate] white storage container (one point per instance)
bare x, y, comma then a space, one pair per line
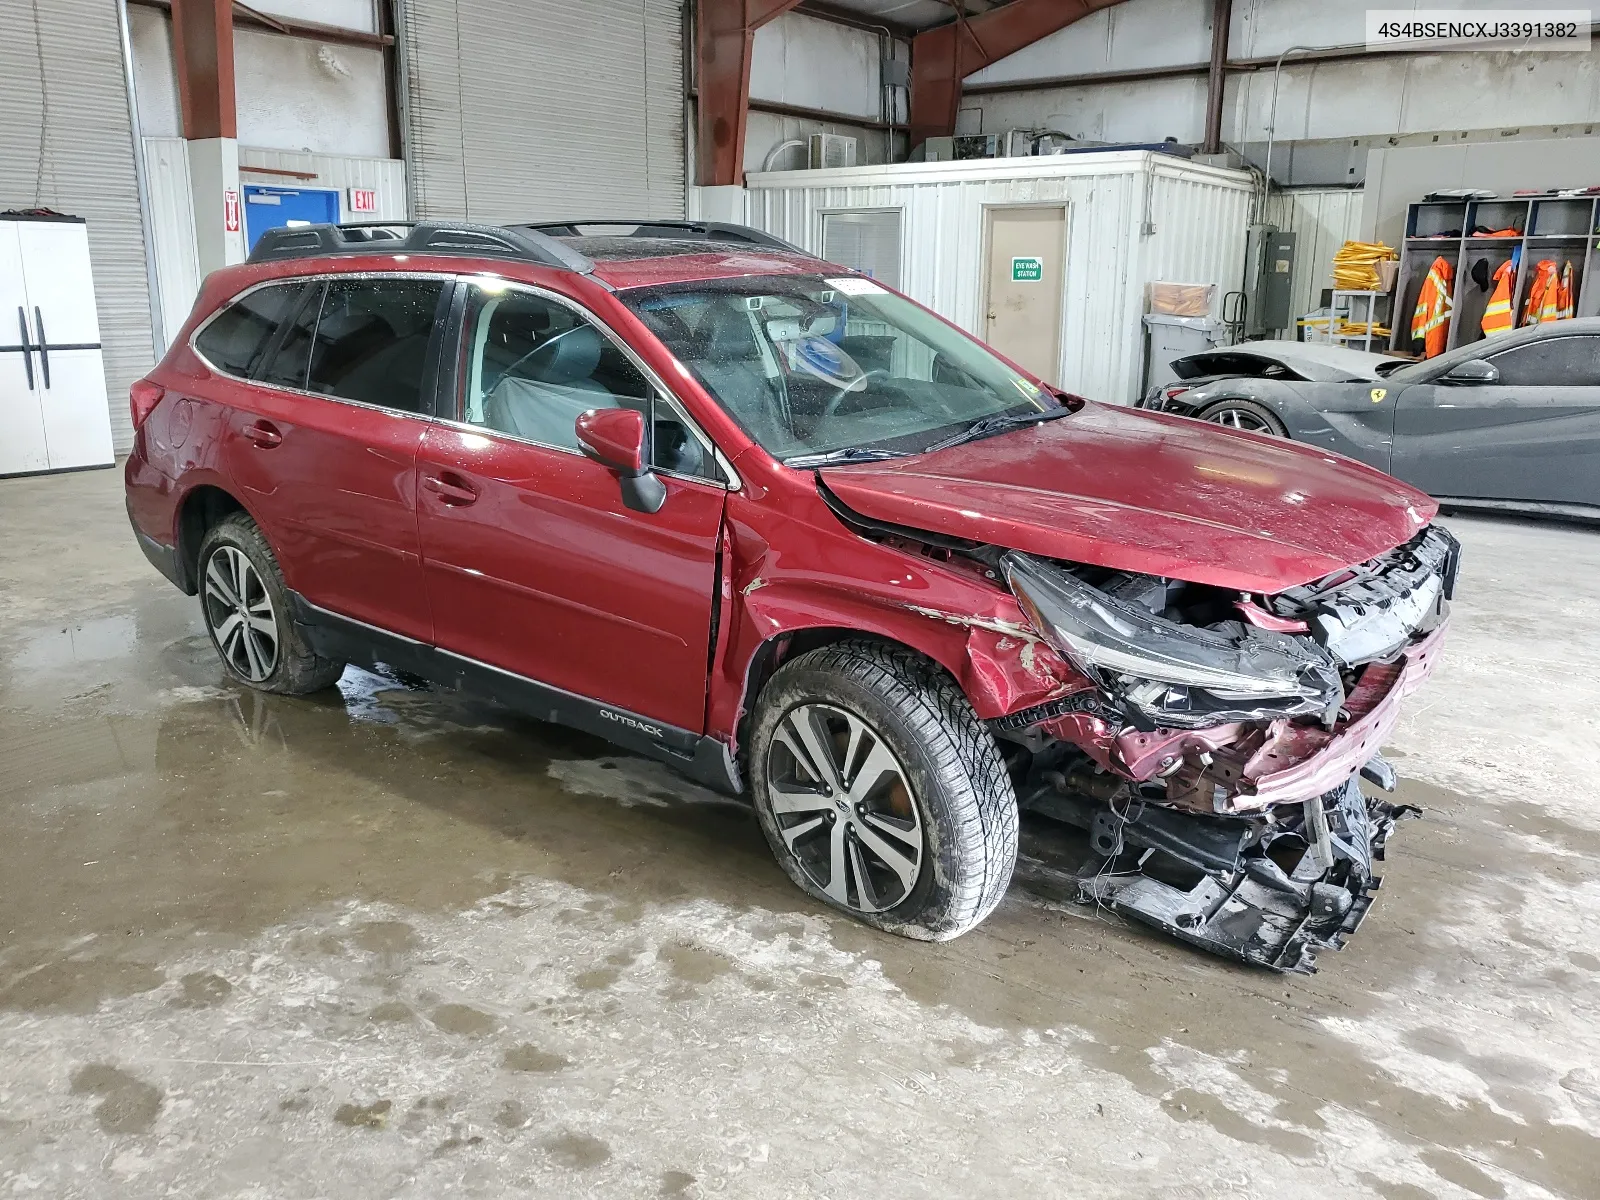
1127, 218
53, 412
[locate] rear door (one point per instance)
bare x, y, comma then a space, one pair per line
323, 438
533, 563
1534, 435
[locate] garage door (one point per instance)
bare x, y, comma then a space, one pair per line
62, 86
543, 109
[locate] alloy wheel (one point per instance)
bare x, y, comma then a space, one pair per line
843, 806
1238, 418
240, 615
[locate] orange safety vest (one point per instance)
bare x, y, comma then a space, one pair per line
1430, 323
1544, 294
1497, 316
1565, 305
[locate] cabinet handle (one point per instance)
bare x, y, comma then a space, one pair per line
44, 349
27, 347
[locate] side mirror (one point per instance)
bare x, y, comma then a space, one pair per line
1472, 373
615, 438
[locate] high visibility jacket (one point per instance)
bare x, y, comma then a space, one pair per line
1430, 322
1544, 294
1497, 316
1564, 304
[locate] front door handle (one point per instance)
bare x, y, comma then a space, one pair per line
44, 347
263, 434
27, 345
450, 490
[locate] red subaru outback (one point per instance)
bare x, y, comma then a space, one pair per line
764, 519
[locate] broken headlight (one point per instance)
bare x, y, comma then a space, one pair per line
1171, 674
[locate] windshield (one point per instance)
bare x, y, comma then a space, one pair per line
813, 366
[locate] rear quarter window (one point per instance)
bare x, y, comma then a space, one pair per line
236, 338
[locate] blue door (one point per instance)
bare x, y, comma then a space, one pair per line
275, 207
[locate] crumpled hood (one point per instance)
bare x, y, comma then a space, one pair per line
1139, 491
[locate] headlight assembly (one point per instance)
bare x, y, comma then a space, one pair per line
1210, 676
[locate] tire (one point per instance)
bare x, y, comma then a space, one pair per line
943, 780
234, 553
1246, 415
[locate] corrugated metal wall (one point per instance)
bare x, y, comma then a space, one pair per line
1199, 214
537, 109
166, 165
66, 143
172, 205
386, 176
1324, 219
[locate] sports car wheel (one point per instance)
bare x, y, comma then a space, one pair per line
1246, 415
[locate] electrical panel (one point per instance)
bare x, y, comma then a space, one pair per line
1268, 274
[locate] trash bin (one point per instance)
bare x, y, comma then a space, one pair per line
1174, 337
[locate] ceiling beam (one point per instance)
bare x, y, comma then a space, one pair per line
202, 52
249, 18
943, 56
724, 40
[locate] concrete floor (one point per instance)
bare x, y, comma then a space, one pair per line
391, 943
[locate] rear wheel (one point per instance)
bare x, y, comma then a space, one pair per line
1246, 415
246, 609
881, 793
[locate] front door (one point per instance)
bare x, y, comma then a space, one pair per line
1027, 272
277, 207
1533, 435
323, 437
533, 563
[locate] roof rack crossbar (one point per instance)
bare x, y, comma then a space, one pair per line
711, 231
420, 237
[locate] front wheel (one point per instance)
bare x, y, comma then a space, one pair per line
880, 791
246, 608
1246, 415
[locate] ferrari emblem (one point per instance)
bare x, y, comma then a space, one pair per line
1378, 394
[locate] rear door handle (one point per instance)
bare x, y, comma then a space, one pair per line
27, 345
450, 490
264, 434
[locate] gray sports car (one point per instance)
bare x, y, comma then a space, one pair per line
1511, 422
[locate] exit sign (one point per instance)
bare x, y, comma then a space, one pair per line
1027, 270
363, 200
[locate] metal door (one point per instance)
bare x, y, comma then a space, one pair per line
1534, 435
1027, 272
75, 407
278, 207
22, 445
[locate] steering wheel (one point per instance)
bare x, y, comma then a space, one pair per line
831, 408
539, 349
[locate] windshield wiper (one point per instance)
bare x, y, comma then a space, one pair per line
998, 423
848, 454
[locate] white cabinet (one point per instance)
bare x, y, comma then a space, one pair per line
53, 409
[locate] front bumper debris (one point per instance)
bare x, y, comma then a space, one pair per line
1267, 892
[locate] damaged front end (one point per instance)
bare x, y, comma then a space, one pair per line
1216, 760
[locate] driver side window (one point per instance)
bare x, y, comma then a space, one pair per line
1572, 361
533, 365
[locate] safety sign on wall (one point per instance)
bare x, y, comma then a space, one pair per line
363, 200
1027, 270
230, 211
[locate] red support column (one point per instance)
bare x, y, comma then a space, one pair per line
724, 37
945, 55
202, 51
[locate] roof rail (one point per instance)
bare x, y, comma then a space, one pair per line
711, 231
419, 237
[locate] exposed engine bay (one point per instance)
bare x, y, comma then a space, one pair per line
1215, 755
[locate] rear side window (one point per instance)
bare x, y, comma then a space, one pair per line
291, 360
371, 341
238, 336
